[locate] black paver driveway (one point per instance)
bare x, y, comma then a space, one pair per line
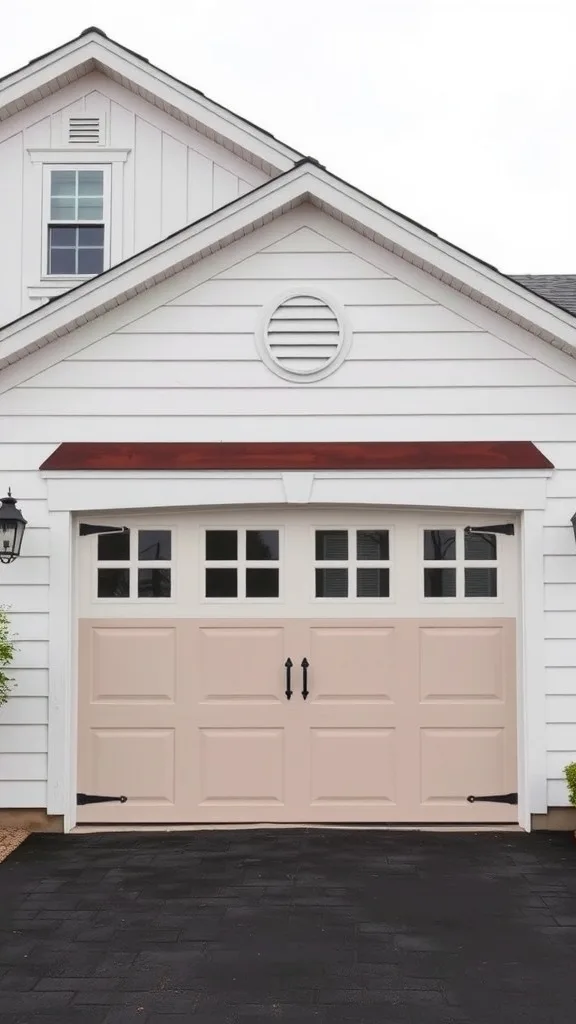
291, 926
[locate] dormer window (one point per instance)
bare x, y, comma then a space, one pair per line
77, 204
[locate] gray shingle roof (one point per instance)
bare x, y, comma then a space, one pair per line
557, 288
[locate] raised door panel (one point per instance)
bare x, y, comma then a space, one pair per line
352, 724
243, 739
134, 726
466, 718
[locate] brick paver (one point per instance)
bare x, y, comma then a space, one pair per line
295, 926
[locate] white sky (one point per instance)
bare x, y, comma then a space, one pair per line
458, 113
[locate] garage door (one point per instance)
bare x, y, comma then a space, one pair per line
323, 666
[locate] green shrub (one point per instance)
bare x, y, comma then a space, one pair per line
7, 652
570, 773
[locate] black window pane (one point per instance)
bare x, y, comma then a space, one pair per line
331, 582
262, 545
372, 582
90, 261
221, 545
439, 582
221, 583
63, 237
480, 583
440, 545
154, 583
91, 236
478, 545
114, 547
154, 545
113, 583
373, 545
331, 546
262, 582
62, 261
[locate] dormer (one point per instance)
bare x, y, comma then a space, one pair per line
102, 155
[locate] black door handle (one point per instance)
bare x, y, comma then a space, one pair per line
288, 667
305, 665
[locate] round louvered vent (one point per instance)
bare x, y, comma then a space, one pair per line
303, 337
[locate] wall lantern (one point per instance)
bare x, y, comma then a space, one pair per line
573, 521
12, 526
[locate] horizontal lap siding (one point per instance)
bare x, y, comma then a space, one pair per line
190, 371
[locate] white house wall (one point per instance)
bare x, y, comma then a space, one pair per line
181, 364
164, 176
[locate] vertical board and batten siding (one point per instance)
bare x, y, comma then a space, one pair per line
170, 177
189, 370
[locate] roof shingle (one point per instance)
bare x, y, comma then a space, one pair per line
557, 288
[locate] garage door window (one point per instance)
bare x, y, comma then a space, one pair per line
460, 565
352, 564
242, 564
135, 564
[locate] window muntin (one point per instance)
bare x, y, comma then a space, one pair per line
128, 565
76, 207
241, 564
360, 564
471, 571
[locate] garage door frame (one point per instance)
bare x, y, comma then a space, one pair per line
517, 491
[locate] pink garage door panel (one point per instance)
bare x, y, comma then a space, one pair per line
404, 719
133, 718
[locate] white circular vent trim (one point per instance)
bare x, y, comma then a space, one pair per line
303, 336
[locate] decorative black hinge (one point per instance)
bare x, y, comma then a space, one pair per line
498, 528
90, 798
501, 798
86, 529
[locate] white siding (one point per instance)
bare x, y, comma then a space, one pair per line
169, 177
422, 365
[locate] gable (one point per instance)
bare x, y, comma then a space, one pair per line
185, 364
164, 175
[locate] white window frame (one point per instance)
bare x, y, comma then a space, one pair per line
47, 220
352, 563
133, 564
459, 563
241, 564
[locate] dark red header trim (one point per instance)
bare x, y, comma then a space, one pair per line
300, 455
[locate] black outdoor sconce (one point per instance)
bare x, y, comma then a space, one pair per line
573, 521
12, 526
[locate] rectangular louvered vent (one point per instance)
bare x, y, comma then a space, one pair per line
84, 131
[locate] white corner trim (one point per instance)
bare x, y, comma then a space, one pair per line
70, 155
61, 793
532, 794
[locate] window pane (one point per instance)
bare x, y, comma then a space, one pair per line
90, 183
91, 236
62, 209
480, 583
154, 582
90, 261
154, 545
62, 261
63, 237
331, 582
262, 582
373, 583
63, 183
114, 547
439, 582
331, 546
373, 545
262, 545
221, 545
113, 583
440, 545
478, 545
90, 209
221, 583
